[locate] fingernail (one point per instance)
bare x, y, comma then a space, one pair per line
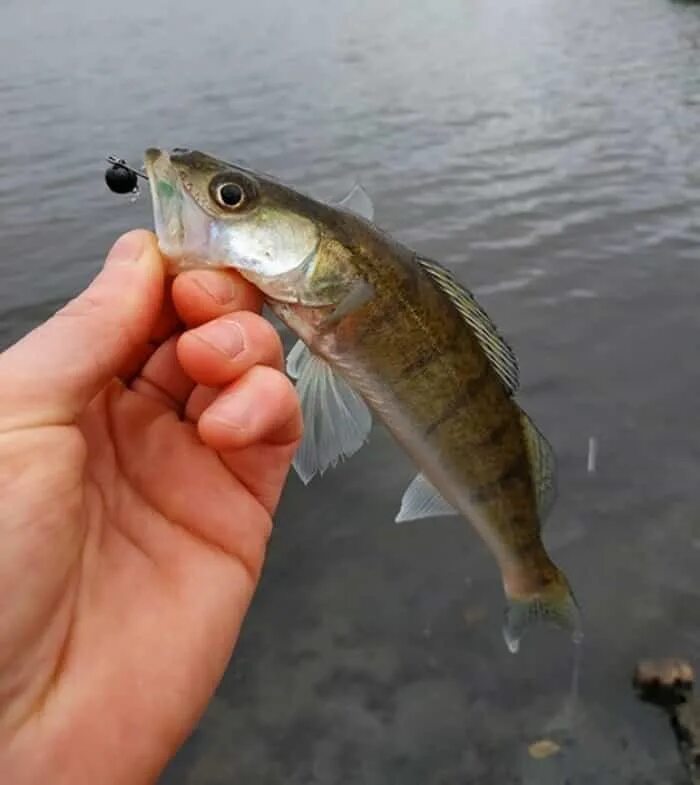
233, 411
217, 285
128, 248
224, 336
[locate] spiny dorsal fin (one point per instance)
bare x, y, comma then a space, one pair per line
358, 201
543, 466
500, 355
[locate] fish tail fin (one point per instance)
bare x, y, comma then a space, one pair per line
553, 603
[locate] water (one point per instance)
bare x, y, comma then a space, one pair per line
548, 151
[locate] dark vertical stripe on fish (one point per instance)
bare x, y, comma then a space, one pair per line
518, 470
470, 390
495, 435
420, 363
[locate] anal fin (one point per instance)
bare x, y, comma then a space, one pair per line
422, 500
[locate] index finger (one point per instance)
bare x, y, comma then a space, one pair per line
202, 295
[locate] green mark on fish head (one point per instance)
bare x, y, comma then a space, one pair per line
165, 190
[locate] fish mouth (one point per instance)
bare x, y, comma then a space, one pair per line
182, 227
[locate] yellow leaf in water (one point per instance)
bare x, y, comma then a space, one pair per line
544, 748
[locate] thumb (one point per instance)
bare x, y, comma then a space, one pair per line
54, 372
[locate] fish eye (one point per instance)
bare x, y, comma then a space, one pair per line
229, 195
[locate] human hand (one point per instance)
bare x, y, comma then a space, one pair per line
133, 516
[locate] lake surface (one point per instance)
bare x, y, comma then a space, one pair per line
548, 151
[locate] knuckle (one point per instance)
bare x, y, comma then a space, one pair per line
278, 385
93, 309
282, 410
263, 336
274, 386
287, 397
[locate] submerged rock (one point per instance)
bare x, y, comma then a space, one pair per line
668, 683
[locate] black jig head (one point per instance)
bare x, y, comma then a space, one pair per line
122, 178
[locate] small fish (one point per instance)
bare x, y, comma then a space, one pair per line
382, 329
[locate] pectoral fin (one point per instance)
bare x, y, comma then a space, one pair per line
422, 500
360, 293
337, 421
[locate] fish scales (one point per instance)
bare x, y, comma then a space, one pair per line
410, 348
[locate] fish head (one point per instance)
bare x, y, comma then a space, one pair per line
209, 213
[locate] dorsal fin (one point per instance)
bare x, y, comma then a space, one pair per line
358, 201
542, 464
500, 355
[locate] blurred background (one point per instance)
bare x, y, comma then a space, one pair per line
545, 150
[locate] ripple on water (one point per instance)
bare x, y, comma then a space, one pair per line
548, 151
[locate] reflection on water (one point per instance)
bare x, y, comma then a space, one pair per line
549, 153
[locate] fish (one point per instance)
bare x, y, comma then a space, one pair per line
384, 333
